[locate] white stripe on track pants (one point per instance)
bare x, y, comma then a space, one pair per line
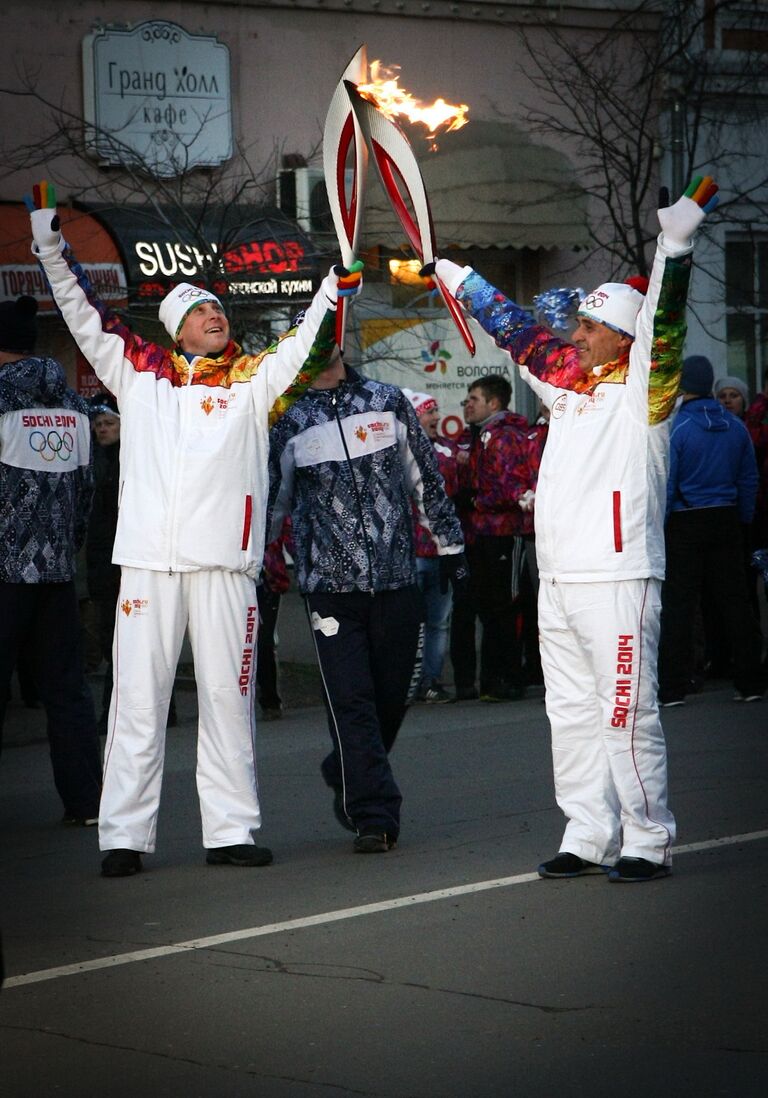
599, 646
219, 609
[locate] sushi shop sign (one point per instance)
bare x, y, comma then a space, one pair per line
157, 98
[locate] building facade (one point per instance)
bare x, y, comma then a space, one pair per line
226, 103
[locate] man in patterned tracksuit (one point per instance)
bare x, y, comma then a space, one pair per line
345, 462
46, 487
600, 505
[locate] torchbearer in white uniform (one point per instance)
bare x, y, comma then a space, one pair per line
190, 535
600, 506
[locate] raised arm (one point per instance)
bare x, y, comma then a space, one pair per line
548, 358
99, 333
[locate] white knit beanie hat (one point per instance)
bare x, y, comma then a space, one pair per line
422, 402
178, 302
614, 304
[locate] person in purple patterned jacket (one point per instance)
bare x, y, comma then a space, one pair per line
438, 596
499, 474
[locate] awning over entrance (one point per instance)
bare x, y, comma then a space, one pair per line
21, 274
490, 185
265, 257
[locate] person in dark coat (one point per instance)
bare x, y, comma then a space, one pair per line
711, 494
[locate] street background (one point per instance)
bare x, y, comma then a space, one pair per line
533, 988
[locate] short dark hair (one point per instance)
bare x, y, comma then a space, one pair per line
494, 385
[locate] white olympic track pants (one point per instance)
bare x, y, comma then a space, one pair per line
599, 646
219, 609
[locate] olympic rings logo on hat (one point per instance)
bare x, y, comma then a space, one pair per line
190, 293
595, 300
53, 444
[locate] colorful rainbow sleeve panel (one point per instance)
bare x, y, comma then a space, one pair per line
144, 356
316, 361
669, 330
514, 330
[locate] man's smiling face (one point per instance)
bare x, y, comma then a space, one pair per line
597, 344
205, 330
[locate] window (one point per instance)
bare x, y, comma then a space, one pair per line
746, 300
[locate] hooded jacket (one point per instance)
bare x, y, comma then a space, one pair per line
345, 463
46, 473
194, 434
712, 460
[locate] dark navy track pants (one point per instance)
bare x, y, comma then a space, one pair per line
369, 652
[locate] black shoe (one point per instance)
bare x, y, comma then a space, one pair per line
121, 863
634, 870
465, 694
566, 864
244, 854
373, 842
271, 713
73, 820
434, 693
339, 813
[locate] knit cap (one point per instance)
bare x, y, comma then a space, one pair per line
18, 324
178, 302
732, 383
615, 304
697, 376
422, 402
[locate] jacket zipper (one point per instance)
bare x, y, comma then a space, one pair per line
174, 502
361, 514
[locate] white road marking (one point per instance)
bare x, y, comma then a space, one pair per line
323, 919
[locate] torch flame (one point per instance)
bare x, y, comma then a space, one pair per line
392, 100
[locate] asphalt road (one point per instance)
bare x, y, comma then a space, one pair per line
444, 969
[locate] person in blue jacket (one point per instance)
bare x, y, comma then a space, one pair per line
711, 495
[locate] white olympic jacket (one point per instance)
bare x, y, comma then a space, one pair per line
194, 436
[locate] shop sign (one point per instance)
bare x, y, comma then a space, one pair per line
107, 280
157, 97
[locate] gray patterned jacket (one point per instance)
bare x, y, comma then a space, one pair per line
345, 464
46, 473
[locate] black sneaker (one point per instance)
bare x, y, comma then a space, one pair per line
373, 842
435, 694
566, 864
121, 863
72, 820
244, 854
634, 870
